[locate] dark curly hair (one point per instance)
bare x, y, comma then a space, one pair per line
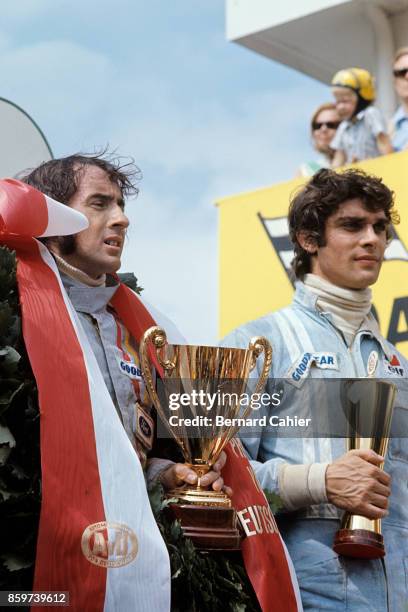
322, 196
59, 179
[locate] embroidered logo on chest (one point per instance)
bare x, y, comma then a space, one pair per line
323, 361
130, 369
394, 366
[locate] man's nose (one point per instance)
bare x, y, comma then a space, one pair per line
369, 235
118, 217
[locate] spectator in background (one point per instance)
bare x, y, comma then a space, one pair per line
399, 122
362, 133
323, 126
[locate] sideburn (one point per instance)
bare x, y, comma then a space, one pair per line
65, 245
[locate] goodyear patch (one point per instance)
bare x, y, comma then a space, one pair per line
130, 369
301, 368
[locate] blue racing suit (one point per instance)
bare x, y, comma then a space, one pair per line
307, 345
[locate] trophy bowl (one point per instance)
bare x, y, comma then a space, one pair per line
210, 383
368, 405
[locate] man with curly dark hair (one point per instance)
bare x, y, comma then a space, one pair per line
340, 224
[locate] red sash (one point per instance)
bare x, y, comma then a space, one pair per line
265, 556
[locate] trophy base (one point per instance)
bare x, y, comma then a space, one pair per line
201, 497
209, 528
359, 543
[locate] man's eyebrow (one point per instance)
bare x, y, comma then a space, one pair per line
106, 198
358, 219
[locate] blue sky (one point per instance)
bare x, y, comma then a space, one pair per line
202, 117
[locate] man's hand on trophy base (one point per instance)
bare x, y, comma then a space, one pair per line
355, 483
179, 473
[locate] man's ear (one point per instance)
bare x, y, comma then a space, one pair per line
307, 242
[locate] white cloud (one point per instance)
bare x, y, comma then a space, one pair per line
62, 84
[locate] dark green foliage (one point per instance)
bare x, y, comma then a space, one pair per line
129, 279
20, 472
274, 501
201, 582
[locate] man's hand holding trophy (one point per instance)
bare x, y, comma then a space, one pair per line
197, 398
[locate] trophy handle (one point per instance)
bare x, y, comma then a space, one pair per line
157, 336
257, 346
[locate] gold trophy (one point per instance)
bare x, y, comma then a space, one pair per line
368, 405
203, 376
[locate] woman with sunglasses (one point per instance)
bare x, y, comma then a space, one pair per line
399, 122
323, 125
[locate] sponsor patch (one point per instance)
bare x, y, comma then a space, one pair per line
394, 366
131, 369
372, 364
144, 427
323, 361
109, 544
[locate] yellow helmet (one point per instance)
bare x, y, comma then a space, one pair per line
357, 79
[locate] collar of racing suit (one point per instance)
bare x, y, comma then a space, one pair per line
307, 299
89, 299
348, 307
77, 274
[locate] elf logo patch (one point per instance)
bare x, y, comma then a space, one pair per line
109, 544
394, 366
324, 361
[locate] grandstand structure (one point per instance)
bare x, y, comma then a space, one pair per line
319, 37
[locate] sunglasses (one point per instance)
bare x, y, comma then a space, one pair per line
331, 125
401, 73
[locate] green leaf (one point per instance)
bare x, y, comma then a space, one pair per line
4, 454
14, 563
155, 496
6, 318
129, 279
176, 574
9, 359
6, 437
274, 501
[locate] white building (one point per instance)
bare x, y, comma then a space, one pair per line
319, 37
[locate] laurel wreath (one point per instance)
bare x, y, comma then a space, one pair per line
20, 471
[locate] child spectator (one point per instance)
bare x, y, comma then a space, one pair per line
323, 126
362, 133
